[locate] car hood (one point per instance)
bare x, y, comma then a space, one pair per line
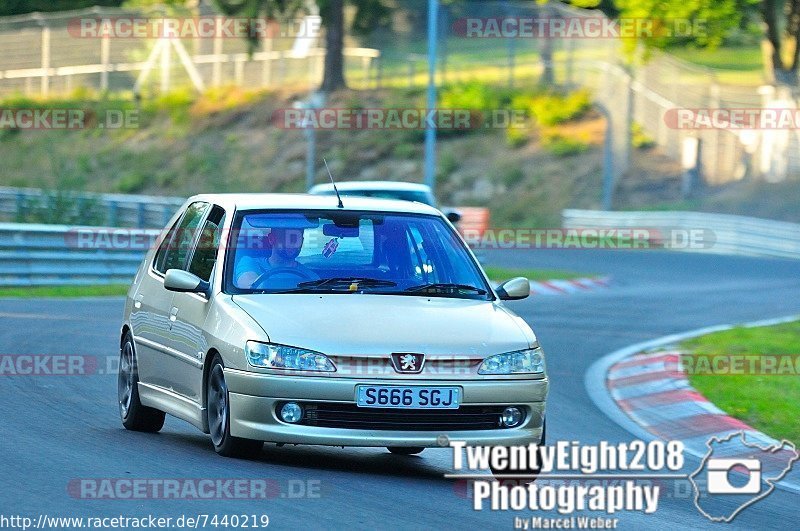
364, 324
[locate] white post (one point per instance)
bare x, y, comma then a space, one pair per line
148, 66
216, 74
239, 71
105, 58
266, 73
189, 65
166, 66
45, 61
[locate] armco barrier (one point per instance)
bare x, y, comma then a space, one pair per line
729, 234
39, 255
116, 210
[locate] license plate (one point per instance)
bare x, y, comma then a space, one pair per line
412, 397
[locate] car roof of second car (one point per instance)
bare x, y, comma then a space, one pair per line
312, 202
373, 185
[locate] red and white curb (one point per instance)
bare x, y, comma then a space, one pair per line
563, 287
644, 389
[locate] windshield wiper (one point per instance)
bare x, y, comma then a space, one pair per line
444, 287
361, 282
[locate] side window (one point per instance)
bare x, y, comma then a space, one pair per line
162, 249
205, 254
180, 243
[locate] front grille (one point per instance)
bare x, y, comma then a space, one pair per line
349, 416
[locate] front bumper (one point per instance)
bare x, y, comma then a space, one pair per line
254, 396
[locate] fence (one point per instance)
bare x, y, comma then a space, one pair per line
109, 210
737, 235
41, 255
45, 54
32, 254
42, 57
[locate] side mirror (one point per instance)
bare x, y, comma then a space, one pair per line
453, 216
184, 282
514, 289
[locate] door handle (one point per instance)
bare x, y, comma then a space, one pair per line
173, 316
137, 302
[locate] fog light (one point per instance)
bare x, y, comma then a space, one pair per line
511, 417
291, 412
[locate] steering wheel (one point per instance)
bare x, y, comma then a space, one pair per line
277, 271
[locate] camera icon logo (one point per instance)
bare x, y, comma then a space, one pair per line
736, 473
720, 470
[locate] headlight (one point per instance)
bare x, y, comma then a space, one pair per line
282, 357
529, 361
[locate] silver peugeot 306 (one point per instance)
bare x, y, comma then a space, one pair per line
299, 319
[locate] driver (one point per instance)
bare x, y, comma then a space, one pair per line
285, 245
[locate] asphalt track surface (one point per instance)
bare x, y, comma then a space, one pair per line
57, 429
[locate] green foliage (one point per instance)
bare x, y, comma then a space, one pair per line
405, 150
767, 402
516, 137
639, 138
563, 146
554, 108
132, 182
473, 95
709, 20
175, 104
510, 174
36, 292
58, 207
18, 7
447, 164
503, 273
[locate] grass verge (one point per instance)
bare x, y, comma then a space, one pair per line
768, 402
502, 274
110, 290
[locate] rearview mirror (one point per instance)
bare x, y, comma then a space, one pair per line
184, 282
330, 229
514, 289
453, 216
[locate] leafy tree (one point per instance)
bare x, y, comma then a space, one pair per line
710, 20
368, 13
18, 7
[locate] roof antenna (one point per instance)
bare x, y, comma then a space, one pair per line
333, 183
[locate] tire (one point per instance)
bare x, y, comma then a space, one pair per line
134, 415
527, 475
218, 412
405, 450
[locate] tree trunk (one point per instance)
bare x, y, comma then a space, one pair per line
333, 17
546, 47
784, 74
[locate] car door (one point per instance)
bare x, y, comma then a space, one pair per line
158, 363
190, 310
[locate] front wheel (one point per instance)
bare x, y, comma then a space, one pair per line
405, 450
134, 415
219, 417
528, 474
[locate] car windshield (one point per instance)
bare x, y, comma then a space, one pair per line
350, 252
